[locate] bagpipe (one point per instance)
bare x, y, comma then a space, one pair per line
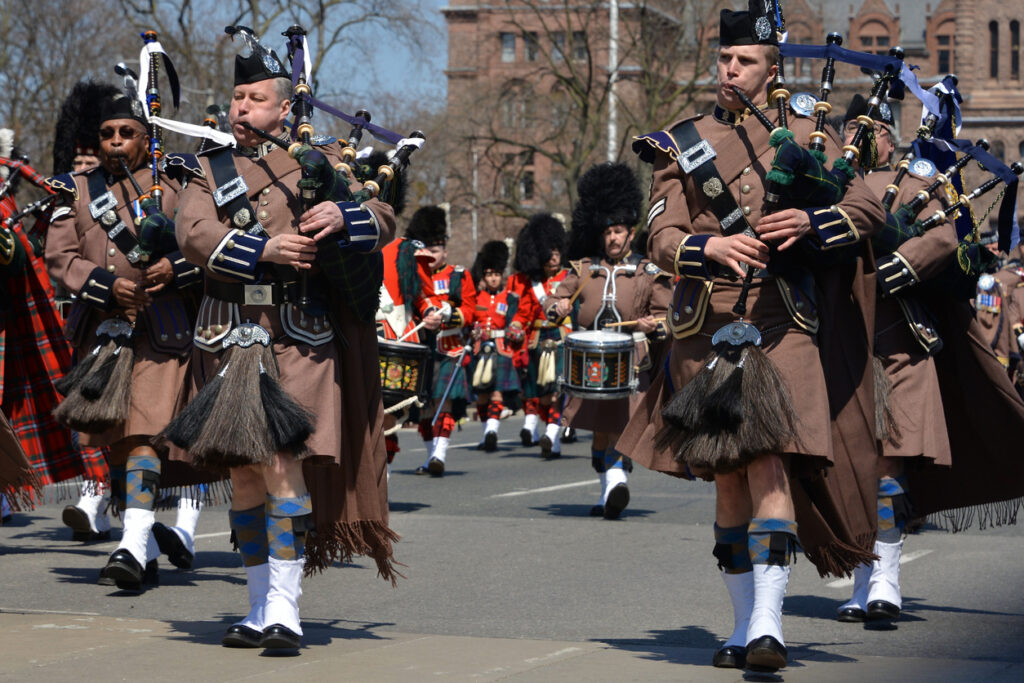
20, 169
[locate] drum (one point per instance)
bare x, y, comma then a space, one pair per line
598, 365
403, 370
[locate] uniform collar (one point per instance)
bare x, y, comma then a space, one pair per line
733, 118
259, 151
623, 259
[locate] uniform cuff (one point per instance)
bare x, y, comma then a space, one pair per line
894, 274
237, 256
660, 333
690, 261
833, 227
98, 290
185, 273
363, 232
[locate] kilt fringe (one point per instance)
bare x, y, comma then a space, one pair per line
22, 493
343, 540
838, 559
213, 493
1001, 513
886, 428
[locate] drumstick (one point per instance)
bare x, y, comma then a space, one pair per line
412, 331
575, 295
632, 322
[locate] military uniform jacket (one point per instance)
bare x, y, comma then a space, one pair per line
394, 311
533, 294
450, 336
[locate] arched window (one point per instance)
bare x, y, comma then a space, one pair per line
1015, 49
993, 49
874, 38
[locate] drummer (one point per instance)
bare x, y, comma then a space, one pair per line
610, 288
498, 330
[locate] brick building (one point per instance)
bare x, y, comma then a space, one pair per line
515, 70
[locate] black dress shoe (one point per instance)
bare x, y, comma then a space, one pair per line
545, 448
239, 635
618, 499
490, 442
277, 637
435, 467
880, 610
105, 579
90, 536
730, 657
765, 655
851, 615
172, 546
597, 511
75, 517
125, 570
526, 437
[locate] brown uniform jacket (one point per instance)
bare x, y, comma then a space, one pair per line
328, 362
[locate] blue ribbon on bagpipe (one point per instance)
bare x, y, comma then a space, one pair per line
299, 65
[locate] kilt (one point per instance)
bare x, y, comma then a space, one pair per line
505, 378
444, 367
529, 380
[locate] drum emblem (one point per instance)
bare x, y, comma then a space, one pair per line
597, 373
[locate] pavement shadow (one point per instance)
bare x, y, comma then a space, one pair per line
412, 473
316, 632
577, 510
406, 507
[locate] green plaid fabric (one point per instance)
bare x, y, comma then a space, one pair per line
813, 184
899, 228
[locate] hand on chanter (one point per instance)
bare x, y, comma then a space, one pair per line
733, 250
297, 251
788, 224
323, 219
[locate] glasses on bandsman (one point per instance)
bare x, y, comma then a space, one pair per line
851, 127
124, 132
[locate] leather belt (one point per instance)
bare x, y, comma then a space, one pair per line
264, 294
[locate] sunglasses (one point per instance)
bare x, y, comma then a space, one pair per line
124, 132
851, 127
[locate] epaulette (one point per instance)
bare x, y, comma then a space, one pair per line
65, 182
176, 165
923, 168
212, 150
802, 103
647, 145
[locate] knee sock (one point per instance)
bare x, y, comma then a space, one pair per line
733, 555
250, 527
118, 484
142, 481
391, 446
893, 509
772, 543
288, 519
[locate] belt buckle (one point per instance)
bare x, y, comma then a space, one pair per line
257, 295
229, 190
696, 156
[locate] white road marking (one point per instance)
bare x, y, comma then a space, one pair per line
213, 535
559, 487
907, 557
558, 653
26, 610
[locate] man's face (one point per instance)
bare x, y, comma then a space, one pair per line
492, 279
616, 241
438, 255
83, 162
745, 67
259, 105
554, 262
883, 140
123, 139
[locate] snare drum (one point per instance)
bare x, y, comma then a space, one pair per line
403, 369
598, 365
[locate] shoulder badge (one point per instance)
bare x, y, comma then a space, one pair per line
577, 266
179, 163
65, 182
645, 146
321, 140
653, 269
802, 103
923, 167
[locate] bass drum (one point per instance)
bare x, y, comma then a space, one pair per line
598, 365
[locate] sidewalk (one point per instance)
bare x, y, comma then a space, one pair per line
88, 647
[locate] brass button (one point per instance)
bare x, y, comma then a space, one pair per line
196, 270
111, 268
230, 244
217, 328
207, 334
264, 202
745, 189
266, 190
746, 210
687, 310
220, 257
199, 330
112, 252
747, 170
92, 283
263, 215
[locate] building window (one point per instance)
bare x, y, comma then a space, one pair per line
993, 49
558, 40
526, 185
579, 46
874, 38
1015, 49
508, 47
532, 46
945, 42
1020, 150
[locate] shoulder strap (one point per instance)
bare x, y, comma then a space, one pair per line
455, 287
103, 209
229, 192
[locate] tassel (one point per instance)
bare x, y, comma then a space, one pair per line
185, 428
66, 384
886, 428
288, 423
235, 433
483, 376
546, 368
95, 382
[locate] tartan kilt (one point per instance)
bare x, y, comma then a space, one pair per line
529, 380
444, 366
505, 378
33, 355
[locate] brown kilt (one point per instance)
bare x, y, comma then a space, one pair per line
915, 394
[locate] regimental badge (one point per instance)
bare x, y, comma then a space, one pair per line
597, 374
242, 218
712, 188
271, 63
322, 140
803, 103
763, 28
652, 269
923, 167
884, 111
986, 282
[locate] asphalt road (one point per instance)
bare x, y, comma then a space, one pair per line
502, 547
